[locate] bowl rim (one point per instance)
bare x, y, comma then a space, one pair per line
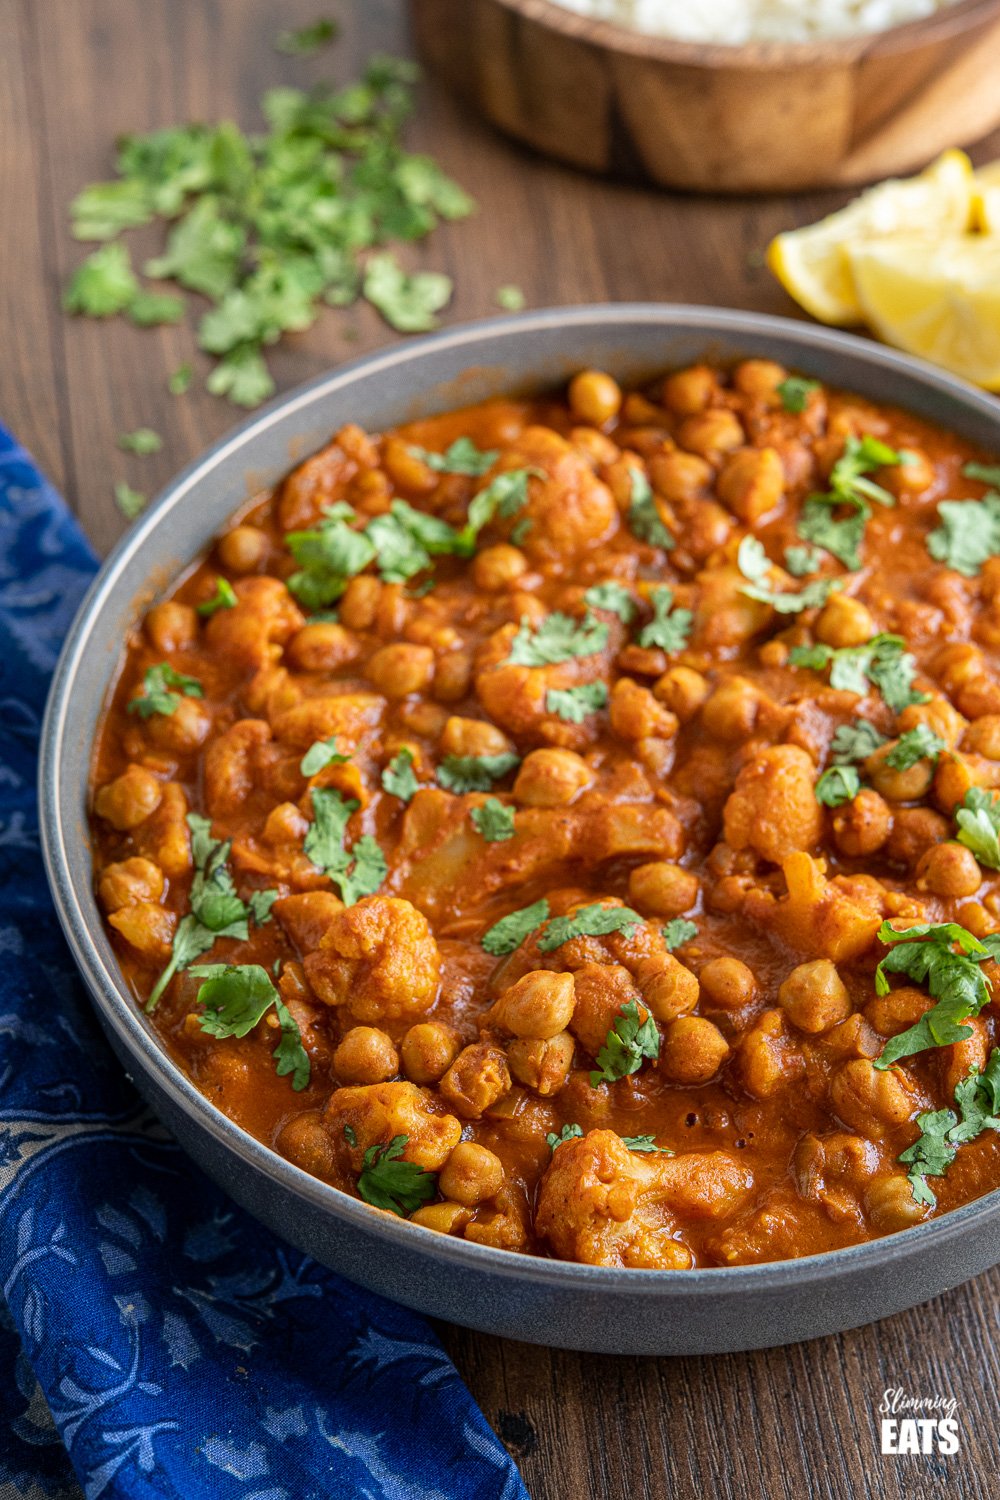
610, 36
119, 1010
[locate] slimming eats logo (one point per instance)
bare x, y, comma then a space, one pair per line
918, 1424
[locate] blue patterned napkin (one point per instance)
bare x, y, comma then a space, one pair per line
154, 1340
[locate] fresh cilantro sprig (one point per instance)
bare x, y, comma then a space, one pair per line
158, 697
595, 920
573, 704
613, 597
947, 959
837, 785
801, 561
978, 821
795, 391
510, 932
505, 495
855, 742
567, 1133
387, 1181
475, 773
223, 598
142, 441
669, 628
556, 639
236, 998
645, 1144
942, 1131
129, 501
643, 517
849, 488
969, 533
677, 932
985, 473
462, 457
494, 820
755, 565
882, 662
356, 872
398, 778
628, 1044
918, 743
322, 753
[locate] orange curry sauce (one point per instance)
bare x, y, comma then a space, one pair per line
685, 791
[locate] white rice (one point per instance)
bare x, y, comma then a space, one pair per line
738, 21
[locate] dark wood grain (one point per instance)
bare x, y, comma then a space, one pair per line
783, 1423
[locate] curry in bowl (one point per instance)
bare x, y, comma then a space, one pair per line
567, 823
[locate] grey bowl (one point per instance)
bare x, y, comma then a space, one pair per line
543, 1301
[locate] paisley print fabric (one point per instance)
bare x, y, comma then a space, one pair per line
154, 1340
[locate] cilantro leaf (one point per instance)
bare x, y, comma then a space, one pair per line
407, 303
755, 565
859, 458
388, 1182
919, 743
242, 376
969, 534
103, 285
567, 1133
103, 209
505, 495
855, 742
883, 661
837, 785
510, 298
130, 502
841, 537
203, 251
595, 920
669, 631
143, 440
462, 457
926, 955
942, 1131
628, 1043
308, 39
677, 932
236, 998
510, 932
329, 555
985, 473
259, 905
556, 639
494, 821
574, 704
795, 392
612, 597
398, 778
180, 380
156, 696
151, 309
849, 487
800, 561
357, 872
475, 773
978, 821
322, 753
645, 1143
643, 516
223, 598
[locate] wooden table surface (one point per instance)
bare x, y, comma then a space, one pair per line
74, 74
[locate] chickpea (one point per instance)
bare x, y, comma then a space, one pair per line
401, 669
692, 1051
471, 1175
983, 737
712, 434
910, 478
844, 622
758, 377
938, 714
688, 392
890, 1203
477, 1078
862, 826
752, 483
130, 799
949, 869
537, 1007
680, 476
305, 1142
406, 468
551, 778
898, 786
683, 691
359, 605
914, 829
975, 918
728, 983
869, 1100
979, 698
365, 1055
172, 626
452, 676
814, 997
897, 1011
444, 1218
542, 1065
243, 549
472, 737
496, 568
731, 711
594, 446
594, 397
183, 730
665, 889
428, 1050
322, 647
130, 881
667, 986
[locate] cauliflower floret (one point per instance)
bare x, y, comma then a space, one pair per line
379, 959
232, 763
773, 807
820, 918
605, 1205
377, 1112
517, 696
264, 613
570, 510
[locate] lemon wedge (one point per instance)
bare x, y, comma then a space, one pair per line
986, 198
936, 298
812, 263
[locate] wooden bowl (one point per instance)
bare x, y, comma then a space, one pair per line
771, 117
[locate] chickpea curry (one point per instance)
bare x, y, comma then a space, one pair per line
570, 824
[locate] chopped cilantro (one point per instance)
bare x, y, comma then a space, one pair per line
645, 1143
855, 742
388, 1182
223, 598
236, 998
462, 457
837, 785
322, 753
954, 980
628, 1043
677, 932
102, 210
567, 1133
840, 537
612, 597
985, 473
329, 555
151, 309
595, 920
575, 703
475, 773
795, 392
308, 39
801, 561
510, 298
919, 743
494, 820
143, 440
180, 380
157, 696
504, 496
883, 662
242, 376
398, 778
849, 487
754, 564
669, 631
978, 821
557, 638
356, 873
510, 932
130, 502
407, 303
942, 1131
105, 284
643, 516
969, 534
